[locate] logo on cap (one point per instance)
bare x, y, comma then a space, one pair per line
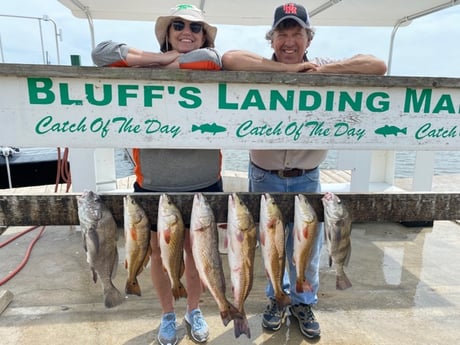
290, 9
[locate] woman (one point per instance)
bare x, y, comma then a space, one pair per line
186, 41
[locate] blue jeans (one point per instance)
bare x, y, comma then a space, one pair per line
263, 181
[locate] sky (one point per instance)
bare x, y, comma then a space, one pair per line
427, 47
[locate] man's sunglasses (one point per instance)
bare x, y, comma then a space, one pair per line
195, 27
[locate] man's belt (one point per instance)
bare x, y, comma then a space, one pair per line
287, 172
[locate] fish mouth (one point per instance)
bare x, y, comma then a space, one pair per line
328, 196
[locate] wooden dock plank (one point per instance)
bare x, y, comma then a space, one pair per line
61, 209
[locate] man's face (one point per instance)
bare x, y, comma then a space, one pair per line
290, 44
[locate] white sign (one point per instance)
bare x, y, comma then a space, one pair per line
73, 112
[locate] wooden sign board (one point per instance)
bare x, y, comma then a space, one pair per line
62, 106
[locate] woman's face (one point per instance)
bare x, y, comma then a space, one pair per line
185, 36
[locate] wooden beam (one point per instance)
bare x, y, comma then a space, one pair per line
61, 209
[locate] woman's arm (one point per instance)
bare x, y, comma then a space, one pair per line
110, 53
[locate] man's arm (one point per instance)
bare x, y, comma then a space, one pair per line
358, 64
241, 60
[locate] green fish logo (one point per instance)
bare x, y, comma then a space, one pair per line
209, 128
390, 130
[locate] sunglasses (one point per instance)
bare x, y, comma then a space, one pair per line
179, 25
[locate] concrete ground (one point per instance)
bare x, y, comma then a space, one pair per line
406, 290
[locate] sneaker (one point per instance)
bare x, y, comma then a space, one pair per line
167, 333
307, 321
198, 327
273, 316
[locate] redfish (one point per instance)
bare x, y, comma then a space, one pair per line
205, 249
304, 233
171, 237
272, 240
137, 243
242, 239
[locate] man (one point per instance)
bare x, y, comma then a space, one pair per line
293, 170
185, 40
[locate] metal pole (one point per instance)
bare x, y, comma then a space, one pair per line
1, 49
44, 18
56, 35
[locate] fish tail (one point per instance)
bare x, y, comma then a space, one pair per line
231, 313
195, 128
404, 130
179, 291
241, 326
112, 297
133, 287
342, 282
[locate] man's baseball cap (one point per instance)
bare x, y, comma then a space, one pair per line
291, 11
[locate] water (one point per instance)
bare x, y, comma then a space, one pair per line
446, 162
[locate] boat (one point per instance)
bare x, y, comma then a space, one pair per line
24, 167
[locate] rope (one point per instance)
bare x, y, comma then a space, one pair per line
63, 170
27, 255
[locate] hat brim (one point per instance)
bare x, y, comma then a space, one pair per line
297, 19
162, 25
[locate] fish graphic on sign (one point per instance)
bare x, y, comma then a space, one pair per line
209, 128
390, 130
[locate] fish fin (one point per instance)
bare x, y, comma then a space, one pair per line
283, 300
303, 285
167, 235
262, 239
146, 260
133, 233
305, 232
113, 272
94, 274
342, 282
231, 313
147, 256
132, 287
94, 238
347, 258
112, 297
241, 326
179, 291
182, 267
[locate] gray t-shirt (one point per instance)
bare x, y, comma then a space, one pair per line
175, 170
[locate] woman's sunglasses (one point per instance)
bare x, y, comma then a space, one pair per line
195, 27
